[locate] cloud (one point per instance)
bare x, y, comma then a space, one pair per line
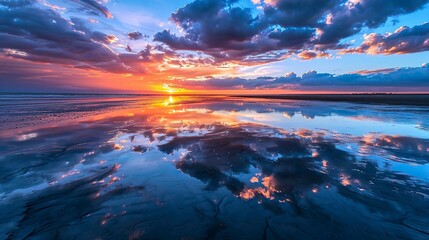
228, 32
135, 35
403, 40
128, 48
384, 70
42, 35
95, 6
400, 148
80, 25
402, 78
298, 13
37, 33
351, 16
211, 26
292, 38
221, 36
308, 55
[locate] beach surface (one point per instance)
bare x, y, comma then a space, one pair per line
212, 167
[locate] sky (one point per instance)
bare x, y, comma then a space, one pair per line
214, 46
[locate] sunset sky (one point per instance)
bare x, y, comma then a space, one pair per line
214, 46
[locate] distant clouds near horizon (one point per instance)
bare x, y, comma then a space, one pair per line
211, 45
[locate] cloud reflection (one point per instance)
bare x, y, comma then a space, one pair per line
213, 164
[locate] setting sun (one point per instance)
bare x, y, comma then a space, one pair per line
167, 88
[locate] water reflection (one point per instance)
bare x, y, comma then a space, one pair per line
219, 168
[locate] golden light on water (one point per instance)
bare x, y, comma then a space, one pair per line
169, 101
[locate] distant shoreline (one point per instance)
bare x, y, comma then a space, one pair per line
393, 99
417, 99
214, 94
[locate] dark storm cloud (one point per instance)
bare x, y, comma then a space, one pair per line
292, 38
227, 31
402, 77
94, 6
217, 24
42, 35
46, 34
39, 34
404, 40
218, 29
299, 13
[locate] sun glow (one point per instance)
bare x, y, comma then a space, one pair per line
168, 88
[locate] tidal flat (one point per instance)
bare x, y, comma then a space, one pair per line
211, 167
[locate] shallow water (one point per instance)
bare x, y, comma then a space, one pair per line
211, 167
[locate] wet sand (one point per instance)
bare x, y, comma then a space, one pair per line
172, 167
